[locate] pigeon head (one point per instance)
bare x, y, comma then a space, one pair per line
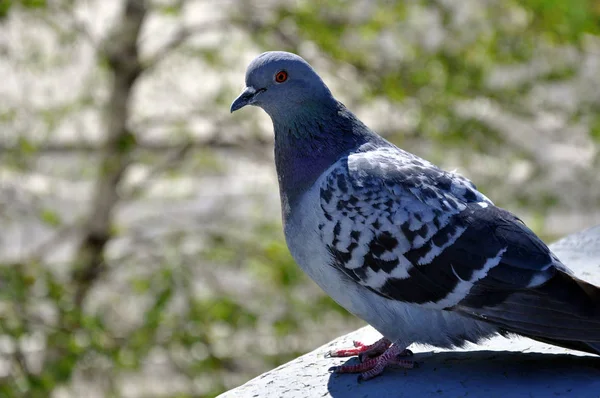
312, 129
280, 83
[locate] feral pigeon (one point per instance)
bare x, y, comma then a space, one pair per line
417, 252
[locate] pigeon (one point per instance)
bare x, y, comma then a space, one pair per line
415, 251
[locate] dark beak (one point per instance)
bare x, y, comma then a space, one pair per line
245, 98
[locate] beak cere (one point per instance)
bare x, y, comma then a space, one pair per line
245, 98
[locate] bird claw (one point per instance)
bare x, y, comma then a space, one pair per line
373, 367
364, 356
362, 350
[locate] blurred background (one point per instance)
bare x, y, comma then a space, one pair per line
141, 252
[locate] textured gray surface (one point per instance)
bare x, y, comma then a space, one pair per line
499, 367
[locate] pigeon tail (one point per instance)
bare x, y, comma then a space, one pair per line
564, 311
586, 298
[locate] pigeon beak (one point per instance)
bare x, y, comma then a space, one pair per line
245, 98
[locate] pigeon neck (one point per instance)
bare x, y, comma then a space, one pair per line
308, 142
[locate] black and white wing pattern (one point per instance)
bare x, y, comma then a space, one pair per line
409, 231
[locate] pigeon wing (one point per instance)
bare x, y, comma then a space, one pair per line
409, 231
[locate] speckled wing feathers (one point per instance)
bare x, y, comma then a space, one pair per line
410, 231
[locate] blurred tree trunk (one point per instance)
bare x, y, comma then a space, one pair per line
120, 49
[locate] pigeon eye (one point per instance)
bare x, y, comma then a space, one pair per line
281, 76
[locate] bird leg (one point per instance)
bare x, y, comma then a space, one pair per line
373, 367
362, 350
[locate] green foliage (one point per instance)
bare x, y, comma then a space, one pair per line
173, 9
33, 4
273, 263
4, 8
126, 143
595, 130
564, 21
6, 5
50, 217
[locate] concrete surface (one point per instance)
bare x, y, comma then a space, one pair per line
499, 367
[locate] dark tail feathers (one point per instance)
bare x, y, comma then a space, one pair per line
564, 311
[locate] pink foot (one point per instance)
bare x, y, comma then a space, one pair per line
374, 367
362, 350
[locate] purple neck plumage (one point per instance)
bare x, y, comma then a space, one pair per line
309, 140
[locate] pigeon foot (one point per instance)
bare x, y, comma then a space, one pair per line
394, 355
363, 351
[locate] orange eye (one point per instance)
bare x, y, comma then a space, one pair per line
281, 76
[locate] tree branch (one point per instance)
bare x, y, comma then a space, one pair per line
74, 23
40, 251
212, 142
178, 39
175, 157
